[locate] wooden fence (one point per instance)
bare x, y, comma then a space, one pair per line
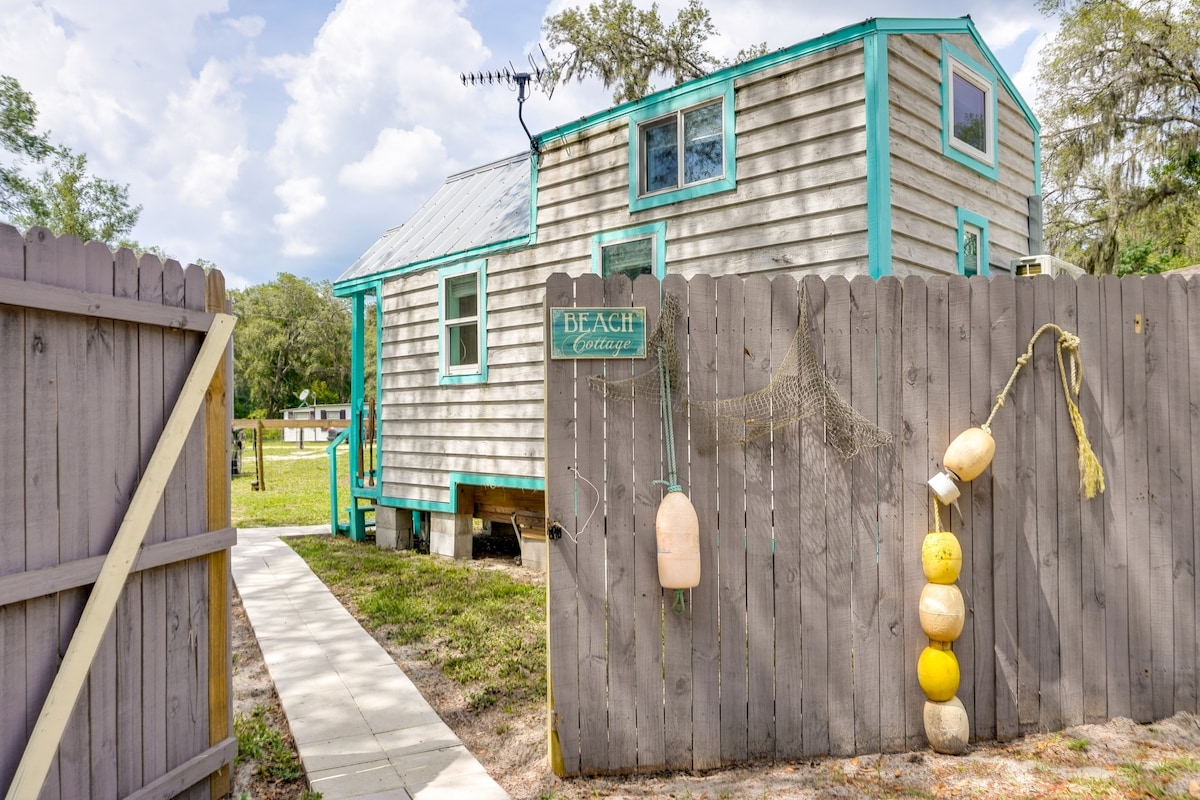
95, 348
803, 636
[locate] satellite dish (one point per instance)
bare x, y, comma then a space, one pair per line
304, 395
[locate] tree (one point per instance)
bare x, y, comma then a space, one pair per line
292, 334
67, 200
1121, 97
625, 47
18, 137
63, 197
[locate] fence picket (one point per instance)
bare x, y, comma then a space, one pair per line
814, 554
677, 637
1091, 513
731, 518
1182, 533
785, 458
706, 655
894, 557
1158, 474
562, 500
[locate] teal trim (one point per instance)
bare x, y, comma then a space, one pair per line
533, 198
968, 158
1037, 161
465, 479
966, 217
693, 94
848, 34
347, 288
481, 375
879, 155
357, 378
335, 525
658, 230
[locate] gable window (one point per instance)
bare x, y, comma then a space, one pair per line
631, 252
462, 323
972, 244
969, 110
682, 147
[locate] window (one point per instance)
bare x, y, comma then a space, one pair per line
969, 112
682, 147
632, 252
463, 328
972, 244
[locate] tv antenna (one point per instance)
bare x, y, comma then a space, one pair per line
509, 76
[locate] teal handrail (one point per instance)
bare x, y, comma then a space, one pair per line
335, 525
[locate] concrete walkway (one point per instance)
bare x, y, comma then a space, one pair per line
362, 729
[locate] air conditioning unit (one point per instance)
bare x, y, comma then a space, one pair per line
1044, 265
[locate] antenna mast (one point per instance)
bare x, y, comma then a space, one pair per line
510, 77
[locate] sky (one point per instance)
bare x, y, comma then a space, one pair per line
273, 136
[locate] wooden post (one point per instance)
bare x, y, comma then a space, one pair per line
260, 470
217, 420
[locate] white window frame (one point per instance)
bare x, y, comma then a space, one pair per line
956, 63
969, 222
462, 373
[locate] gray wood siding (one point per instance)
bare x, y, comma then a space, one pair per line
431, 431
801, 164
927, 186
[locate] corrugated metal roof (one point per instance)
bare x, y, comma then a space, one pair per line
473, 209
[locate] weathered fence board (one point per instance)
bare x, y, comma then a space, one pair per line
803, 635
96, 347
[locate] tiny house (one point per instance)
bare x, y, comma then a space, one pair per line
889, 147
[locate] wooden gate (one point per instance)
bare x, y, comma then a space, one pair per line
803, 636
106, 359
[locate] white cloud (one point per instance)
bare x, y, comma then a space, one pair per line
248, 26
302, 200
399, 159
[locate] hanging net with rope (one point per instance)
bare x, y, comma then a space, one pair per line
798, 389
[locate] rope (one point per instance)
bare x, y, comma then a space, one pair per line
664, 383
937, 515
1091, 473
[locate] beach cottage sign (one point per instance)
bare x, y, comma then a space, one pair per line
598, 332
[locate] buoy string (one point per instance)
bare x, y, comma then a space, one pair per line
937, 515
664, 385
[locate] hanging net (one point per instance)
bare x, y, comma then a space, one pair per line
661, 344
799, 388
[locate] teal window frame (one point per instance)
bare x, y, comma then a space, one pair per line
678, 105
966, 221
446, 374
656, 232
956, 62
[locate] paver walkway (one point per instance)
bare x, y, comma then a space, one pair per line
362, 729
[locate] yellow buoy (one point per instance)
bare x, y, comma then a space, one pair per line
941, 557
947, 727
937, 672
678, 532
942, 612
969, 454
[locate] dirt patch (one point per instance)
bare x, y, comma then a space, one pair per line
1119, 759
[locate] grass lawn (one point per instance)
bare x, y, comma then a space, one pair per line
482, 628
297, 486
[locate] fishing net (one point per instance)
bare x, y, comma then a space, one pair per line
798, 389
661, 344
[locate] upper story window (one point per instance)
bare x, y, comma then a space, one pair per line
969, 108
682, 147
462, 316
631, 252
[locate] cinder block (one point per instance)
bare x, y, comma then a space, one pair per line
450, 535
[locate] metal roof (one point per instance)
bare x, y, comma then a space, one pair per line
483, 206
